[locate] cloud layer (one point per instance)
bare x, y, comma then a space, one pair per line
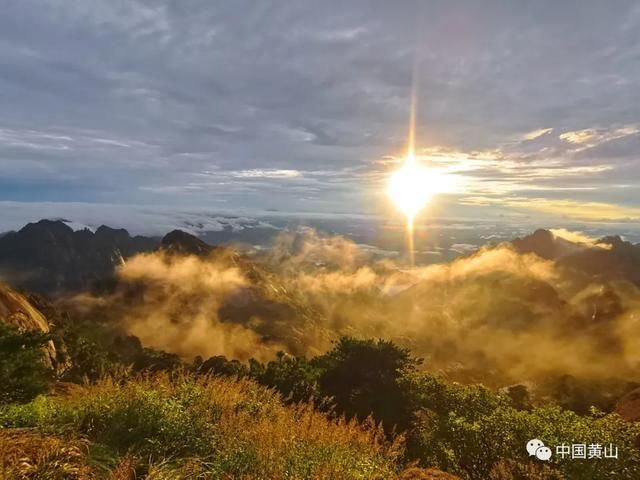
496, 316
294, 106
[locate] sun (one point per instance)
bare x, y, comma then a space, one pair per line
413, 186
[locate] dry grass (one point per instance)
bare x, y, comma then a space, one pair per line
26, 454
207, 428
414, 473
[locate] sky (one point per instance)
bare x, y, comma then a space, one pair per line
533, 108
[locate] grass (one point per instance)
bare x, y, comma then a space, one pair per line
26, 454
206, 428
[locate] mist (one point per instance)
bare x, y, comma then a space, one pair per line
496, 316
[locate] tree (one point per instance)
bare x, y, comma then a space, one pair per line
475, 433
362, 377
23, 373
294, 377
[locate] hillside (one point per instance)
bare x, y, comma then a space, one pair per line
462, 361
187, 428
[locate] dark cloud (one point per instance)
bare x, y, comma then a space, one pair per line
135, 101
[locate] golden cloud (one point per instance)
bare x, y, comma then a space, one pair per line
536, 133
574, 209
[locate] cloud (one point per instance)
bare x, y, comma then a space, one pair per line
266, 173
178, 310
533, 134
127, 102
579, 237
503, 315
593, 136
137, 219
576, 210
463, 248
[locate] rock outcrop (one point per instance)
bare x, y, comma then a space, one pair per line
17, 311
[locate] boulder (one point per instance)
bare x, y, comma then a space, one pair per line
17, 311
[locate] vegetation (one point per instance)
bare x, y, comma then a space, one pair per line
23, 373
209, 428
465, 429
477, 434
362, 410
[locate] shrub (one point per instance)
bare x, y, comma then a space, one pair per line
473, 432
294, 377
23, 373
363, 378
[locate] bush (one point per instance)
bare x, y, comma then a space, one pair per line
363, 378
294, 377
473, 432
23, 373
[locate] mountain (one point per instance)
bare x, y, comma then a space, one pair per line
178, 242
609, 258
186, 281
49, 257
546, 245
621, 260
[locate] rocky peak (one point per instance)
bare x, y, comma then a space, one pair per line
183, 243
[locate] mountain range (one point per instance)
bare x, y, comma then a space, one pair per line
608, 258
488, 316
49, 257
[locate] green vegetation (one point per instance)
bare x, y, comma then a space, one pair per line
363, 410
475, 433
23, 373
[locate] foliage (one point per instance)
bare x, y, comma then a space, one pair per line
208, 425
219, 365
294, 377
30, 455
362, 377
472, 432
212, 427
356, 378
92, 351
23, 373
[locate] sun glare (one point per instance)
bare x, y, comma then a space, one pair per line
412, 187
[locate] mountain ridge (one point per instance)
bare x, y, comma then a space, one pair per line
608, 258
49, 257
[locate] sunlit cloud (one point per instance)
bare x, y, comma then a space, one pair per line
536, 133
579, 237
266, 173
576, 210
579, 136
594, 136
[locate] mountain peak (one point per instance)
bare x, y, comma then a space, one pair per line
53, 226
545, 244
118, 235
183, 243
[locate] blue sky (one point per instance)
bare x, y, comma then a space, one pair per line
533, 107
